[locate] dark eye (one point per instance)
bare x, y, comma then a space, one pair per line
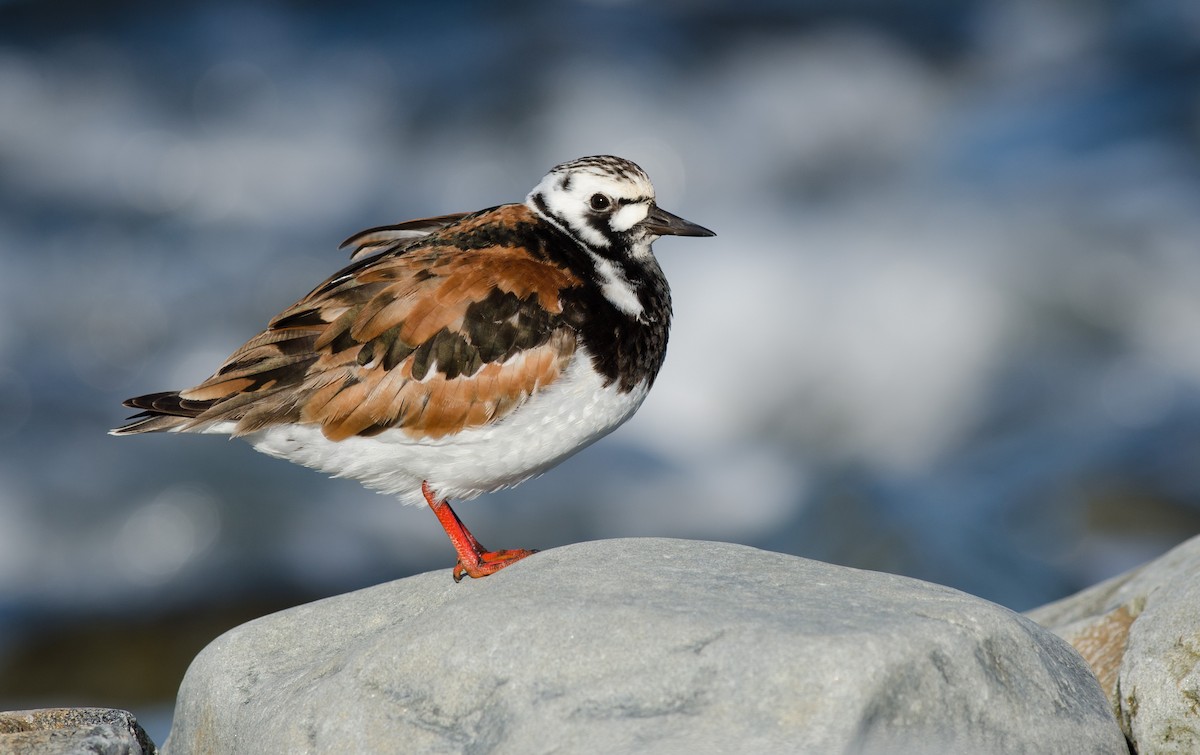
599, 202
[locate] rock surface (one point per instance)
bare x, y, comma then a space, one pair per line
1141, 634
645, 645
63, 731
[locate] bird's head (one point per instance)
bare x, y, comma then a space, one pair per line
607, 203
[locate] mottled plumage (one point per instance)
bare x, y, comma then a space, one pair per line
460, 353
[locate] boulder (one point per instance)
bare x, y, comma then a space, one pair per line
645, 645
72, 731
1141, 634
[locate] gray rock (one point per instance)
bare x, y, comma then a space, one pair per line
645, 645
72, 731
1141, 634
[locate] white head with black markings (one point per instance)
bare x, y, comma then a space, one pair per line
607, 204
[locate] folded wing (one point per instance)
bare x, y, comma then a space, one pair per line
427, 339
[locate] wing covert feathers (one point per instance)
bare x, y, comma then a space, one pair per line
437, 333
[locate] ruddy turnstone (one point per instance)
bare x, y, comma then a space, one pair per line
460, 354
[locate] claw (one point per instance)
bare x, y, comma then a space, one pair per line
488, 562
473, 559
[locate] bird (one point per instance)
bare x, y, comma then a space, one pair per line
460, 354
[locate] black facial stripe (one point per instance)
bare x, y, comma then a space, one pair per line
599, 222
543, 208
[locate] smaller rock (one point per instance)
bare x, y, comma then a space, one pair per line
68, 731
1140, 632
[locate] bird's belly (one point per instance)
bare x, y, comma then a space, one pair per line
559, 420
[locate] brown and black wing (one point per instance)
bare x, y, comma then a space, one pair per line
430, 340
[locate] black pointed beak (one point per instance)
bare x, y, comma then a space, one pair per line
662, 223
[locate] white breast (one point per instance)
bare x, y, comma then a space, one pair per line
567, 416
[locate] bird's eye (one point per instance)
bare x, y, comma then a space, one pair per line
599, 202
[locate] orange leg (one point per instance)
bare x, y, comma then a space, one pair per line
473, 559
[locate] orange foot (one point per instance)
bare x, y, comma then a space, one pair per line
473, 559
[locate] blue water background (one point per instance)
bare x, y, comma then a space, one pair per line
948, 327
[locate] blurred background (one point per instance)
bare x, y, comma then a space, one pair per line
947, 329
